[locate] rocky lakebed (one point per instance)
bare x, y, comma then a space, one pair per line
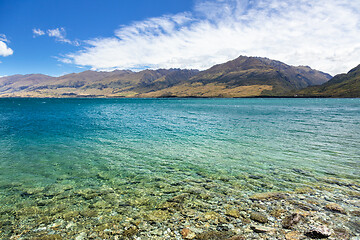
220, 208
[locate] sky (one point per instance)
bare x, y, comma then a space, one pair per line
58, 37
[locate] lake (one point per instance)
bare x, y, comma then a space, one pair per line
99, 161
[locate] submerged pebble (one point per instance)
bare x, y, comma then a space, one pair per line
262, 229
259, 217
291, 220
335, 207
319, 232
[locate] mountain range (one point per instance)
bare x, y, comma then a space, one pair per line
241, 77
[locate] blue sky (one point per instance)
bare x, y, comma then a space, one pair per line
81, 19
57, 37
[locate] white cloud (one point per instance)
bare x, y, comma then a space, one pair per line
4, 49
58, 33
3, 38
38, 32
323, 34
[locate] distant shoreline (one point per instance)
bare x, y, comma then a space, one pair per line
171, 97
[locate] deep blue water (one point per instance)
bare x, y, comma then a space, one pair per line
282, 142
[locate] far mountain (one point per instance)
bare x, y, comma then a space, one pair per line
242, 77
118, 83
342, 85
18, 83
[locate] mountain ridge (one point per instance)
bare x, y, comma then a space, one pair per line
240, 77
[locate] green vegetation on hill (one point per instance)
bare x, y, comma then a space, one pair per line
342, 85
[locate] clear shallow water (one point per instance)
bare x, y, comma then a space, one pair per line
153, 148
42, 139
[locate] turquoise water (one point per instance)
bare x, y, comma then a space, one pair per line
151, 148
42, 139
